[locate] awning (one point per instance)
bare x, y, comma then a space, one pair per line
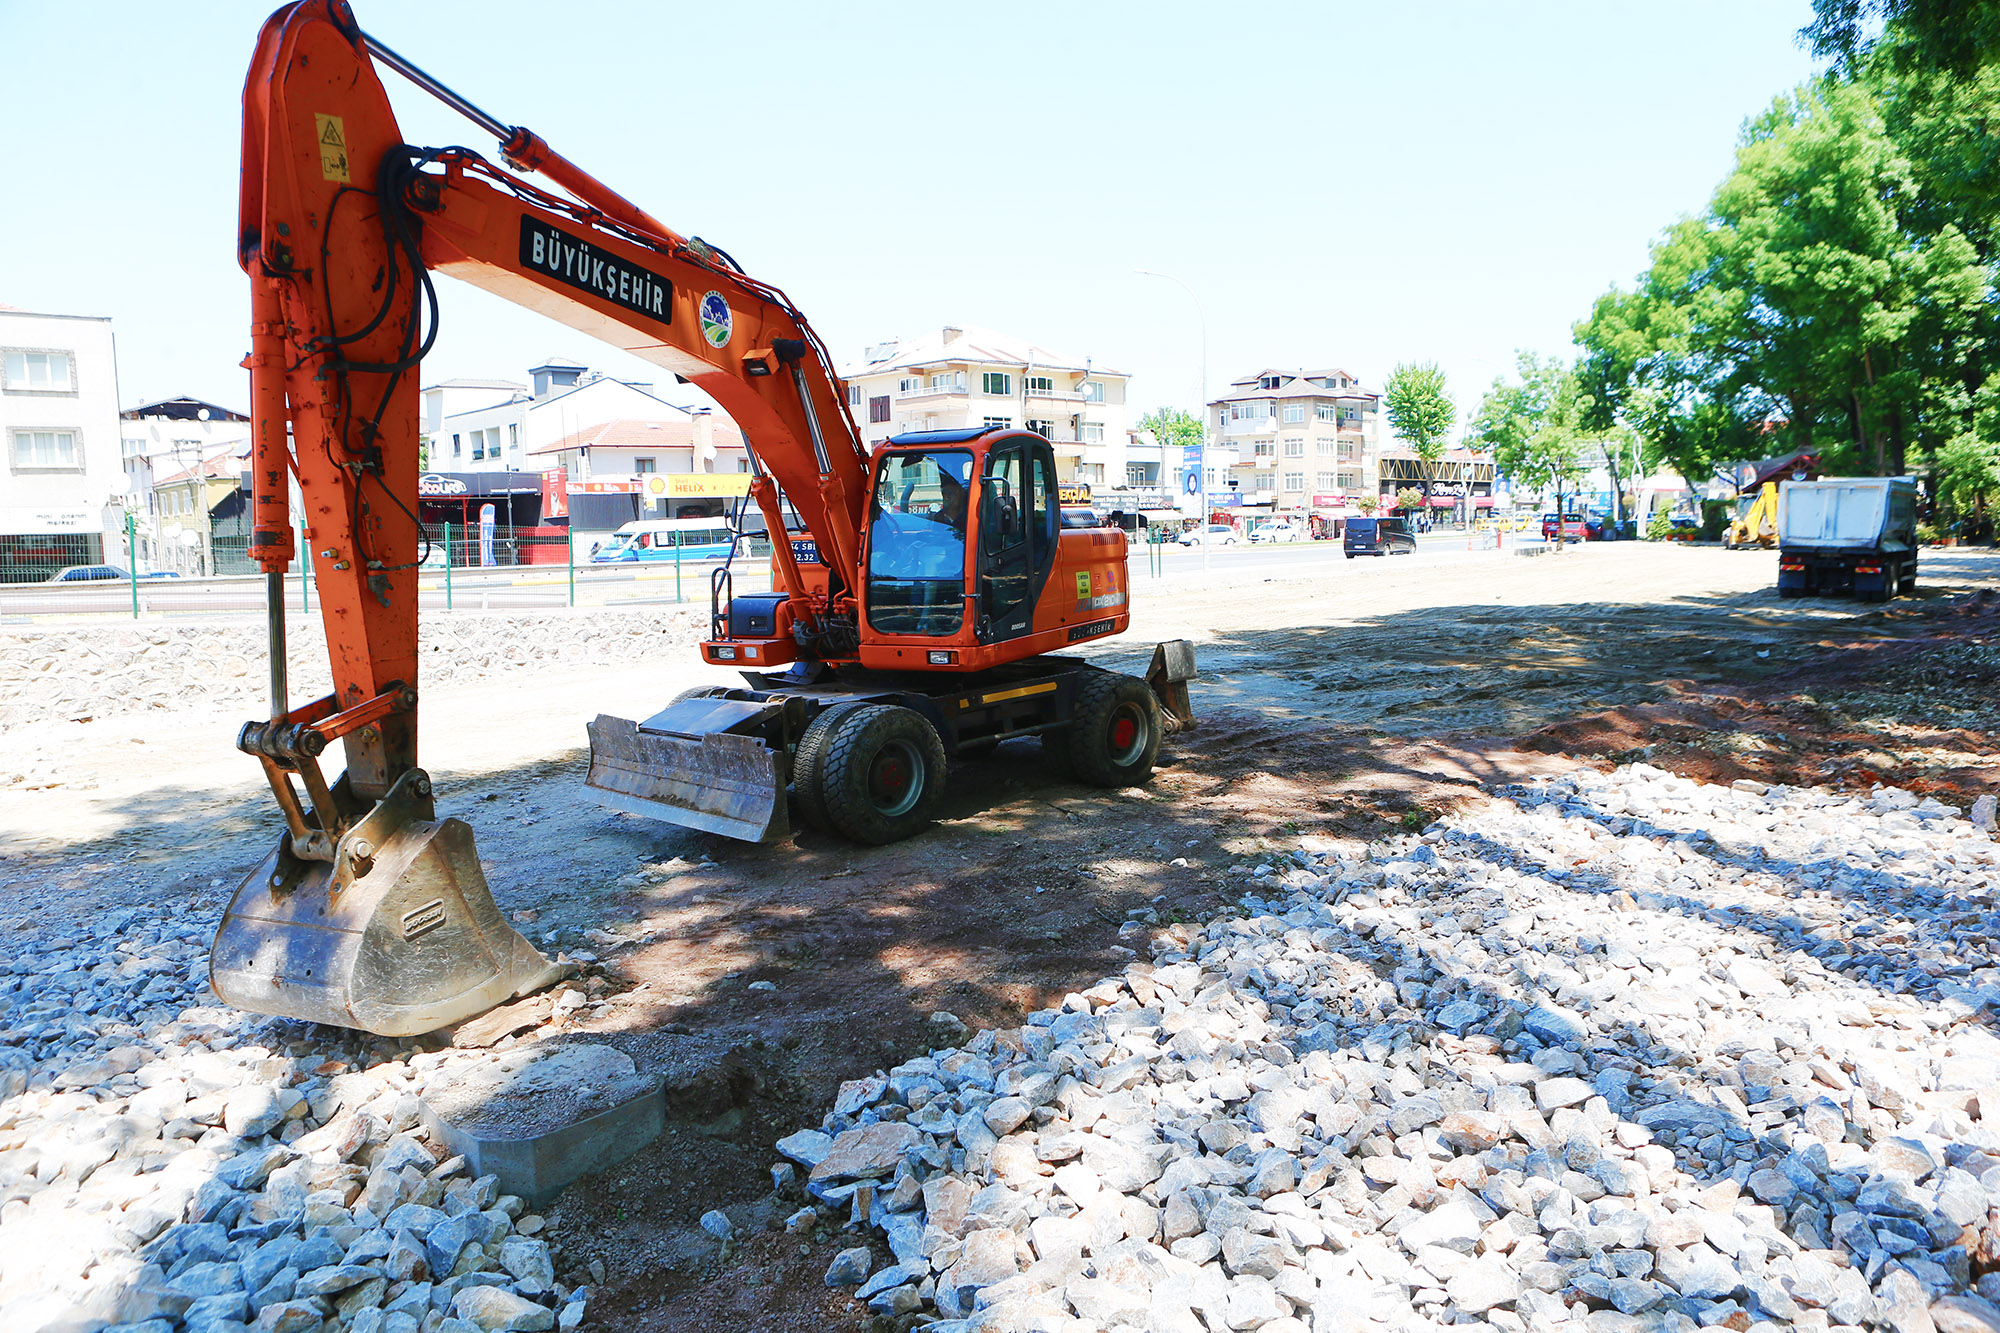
1444, 502
1482, 501
472, 485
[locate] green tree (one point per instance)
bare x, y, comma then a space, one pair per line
1421, 412
1535, 426
1800, 311
1173, 428
1956, 35
1409, 499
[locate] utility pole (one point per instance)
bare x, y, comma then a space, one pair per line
1201, 465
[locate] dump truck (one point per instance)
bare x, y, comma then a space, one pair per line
1848, 534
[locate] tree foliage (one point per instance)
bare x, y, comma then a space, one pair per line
1173, 428
1421, 411
1536, 424
1954, 35
1835, 295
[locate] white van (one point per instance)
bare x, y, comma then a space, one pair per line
652, 541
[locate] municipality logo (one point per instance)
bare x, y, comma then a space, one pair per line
715, 319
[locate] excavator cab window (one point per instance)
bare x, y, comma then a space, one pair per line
916, 542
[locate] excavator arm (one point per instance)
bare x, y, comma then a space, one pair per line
371, 913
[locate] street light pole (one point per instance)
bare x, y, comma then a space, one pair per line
1201, 465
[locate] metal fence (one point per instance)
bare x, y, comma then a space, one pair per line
463, 568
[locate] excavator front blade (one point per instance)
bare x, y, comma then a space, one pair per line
713, 780
412, 943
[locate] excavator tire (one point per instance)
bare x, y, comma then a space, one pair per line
882, 774
1114, 736
809, 766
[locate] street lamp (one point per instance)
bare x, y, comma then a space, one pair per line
1201, 464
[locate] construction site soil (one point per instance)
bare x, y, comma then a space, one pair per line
1346, 704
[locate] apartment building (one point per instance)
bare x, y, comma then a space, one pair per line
688, 465
494, 425
964, 376
61, 487
1290, 442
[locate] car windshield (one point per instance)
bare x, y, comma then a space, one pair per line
916, 542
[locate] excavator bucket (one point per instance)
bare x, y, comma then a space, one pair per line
411, 943
685, 767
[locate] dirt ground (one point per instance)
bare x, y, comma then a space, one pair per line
1347, 704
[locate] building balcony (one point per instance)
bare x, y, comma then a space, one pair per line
939, 391
1264, 426
1056, 395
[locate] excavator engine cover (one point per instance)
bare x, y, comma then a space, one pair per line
695, 764
414, 944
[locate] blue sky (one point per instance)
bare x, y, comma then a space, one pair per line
1345, 183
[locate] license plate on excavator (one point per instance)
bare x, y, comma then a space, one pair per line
717, 782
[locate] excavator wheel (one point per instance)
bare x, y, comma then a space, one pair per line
1114, 736
882, 773
809, 766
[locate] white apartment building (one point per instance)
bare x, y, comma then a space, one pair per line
964, 376
61, 487
1293, 441
476, 425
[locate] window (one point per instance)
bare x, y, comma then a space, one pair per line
1326, 446
1093, 391
456, 448
38, 372
1004, 423
854, 395
1041, 385
1350, 452
514, 436
952, 381
46, 449
1350, 481
997, 383
1045, 429
1265, 449
1328, 481
878, 410
1091, 432
1090, 472
1325, 412
1295, 447
1136, 474
1295, 481
644, 465
1294, 413
909, 385
1271, 382
1249, 411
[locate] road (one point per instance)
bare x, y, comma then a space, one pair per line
544, 586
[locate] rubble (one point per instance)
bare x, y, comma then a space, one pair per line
1618, 1051
170, 1164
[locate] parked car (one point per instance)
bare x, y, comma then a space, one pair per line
160, 574
1377, 536
1575, 527
1286, 531
88, 574
1216, 534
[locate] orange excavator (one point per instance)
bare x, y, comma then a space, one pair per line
914, 611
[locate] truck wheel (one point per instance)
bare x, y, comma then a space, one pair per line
882, 774
809, 766
1114, 736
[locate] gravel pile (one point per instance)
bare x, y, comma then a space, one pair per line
168, 1165
1619, 1052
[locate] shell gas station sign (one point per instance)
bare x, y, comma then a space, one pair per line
668, 485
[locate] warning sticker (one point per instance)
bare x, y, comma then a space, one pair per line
1082, 585
332, 147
